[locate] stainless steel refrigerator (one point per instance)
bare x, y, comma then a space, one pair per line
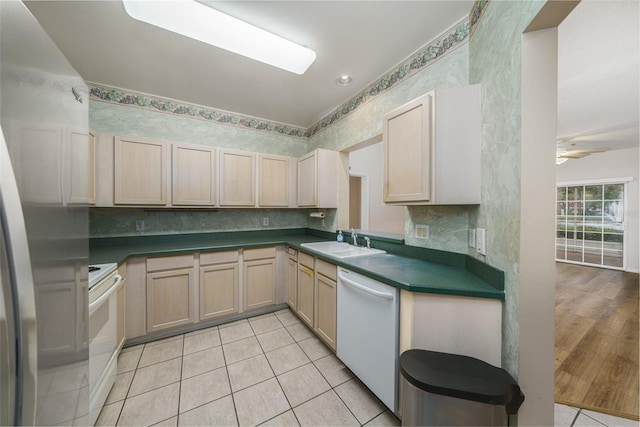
44, 175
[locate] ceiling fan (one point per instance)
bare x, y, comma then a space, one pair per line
562, 154
620, 135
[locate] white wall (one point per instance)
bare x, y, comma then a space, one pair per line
367, 162
607, 165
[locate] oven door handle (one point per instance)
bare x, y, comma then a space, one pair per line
107, 294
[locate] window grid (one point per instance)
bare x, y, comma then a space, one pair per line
590, 224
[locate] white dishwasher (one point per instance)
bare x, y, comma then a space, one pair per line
367, 333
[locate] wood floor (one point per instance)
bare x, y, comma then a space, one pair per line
597, 339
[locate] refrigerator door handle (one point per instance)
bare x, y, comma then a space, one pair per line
21, 281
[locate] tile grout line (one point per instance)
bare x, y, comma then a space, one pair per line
126, 396
226, 368
180, 384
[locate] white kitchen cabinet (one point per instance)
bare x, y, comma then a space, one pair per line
140, 171
219, 284
325, 293
122, 302
194, 175
431, 149
237, 178
171, 292
292, 278
62, 295
274, 181
452, 324
305, 295
318, 179
259, 271
80, 179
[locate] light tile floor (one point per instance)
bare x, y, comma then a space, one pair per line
568, 416
266, 370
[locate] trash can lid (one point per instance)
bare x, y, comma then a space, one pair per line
459, 376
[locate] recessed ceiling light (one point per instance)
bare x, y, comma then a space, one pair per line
344, 80
200, 22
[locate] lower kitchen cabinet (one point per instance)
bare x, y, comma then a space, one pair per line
305, 288
316, 296
325, 290
170, 292
292, 278
121, 298
219, 284
259, 277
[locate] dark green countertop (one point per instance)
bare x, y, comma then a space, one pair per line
406, 267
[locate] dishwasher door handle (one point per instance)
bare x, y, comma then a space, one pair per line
363, 288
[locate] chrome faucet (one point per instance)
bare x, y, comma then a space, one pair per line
354, 237
368, 240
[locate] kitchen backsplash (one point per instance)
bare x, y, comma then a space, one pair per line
117, 222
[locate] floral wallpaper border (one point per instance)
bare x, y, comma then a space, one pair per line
446, 43
424, 57
155, 103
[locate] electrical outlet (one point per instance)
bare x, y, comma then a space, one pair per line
265, 221
472, 237
481, 241
422, 231
140, 225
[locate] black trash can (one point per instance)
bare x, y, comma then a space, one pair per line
442, 389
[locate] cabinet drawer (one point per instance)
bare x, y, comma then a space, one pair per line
224, 257
326, 269
169, 262
305, 259
259, 253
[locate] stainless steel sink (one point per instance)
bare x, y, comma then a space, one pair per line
341, 249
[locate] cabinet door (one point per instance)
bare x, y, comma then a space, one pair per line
325, 310
80, 179
259, 283
292, 282
307, 180
407, 145
194, 174
170, 299
237, 178
122, 306
219, 290
274, 180
140, 173
121, 314
305, 294
57, 302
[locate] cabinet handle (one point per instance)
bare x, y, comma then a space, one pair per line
107, 294
365, 289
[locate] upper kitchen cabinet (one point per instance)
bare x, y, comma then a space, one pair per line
237, 178
432, 149
80, 182
274, 181
318, 179
194, 175
140, 171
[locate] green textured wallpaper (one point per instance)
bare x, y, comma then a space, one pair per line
495, 62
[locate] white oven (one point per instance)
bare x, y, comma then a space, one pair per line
103, 343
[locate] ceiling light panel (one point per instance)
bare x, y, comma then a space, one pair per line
200, 22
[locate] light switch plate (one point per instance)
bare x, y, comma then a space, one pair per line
472, 237
481, 241
140, 225
422, 231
